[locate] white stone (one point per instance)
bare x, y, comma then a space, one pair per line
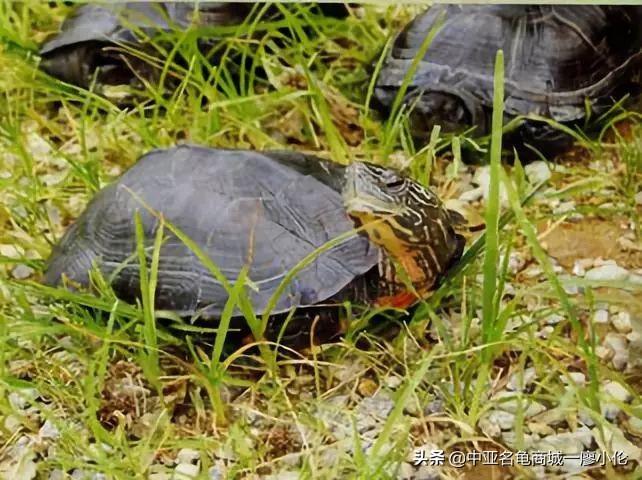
537, 172
482, 178
490, 428
622, 322
634, 337
585, 417
635, 425
638, 198
603, 352
607, 273
48, 430
616, 391
545, 332
578, 269
186, 471
520, 380
576, 377
406, 471
188, 455
57, 474
20, 399
472, 195
11, 251
21, 272
217, 472
564, 207
553, 319
12, 423
428, 472
618, 344
516, 262
568, 442
601, 316
532, 272
393, 381
283, 476
615, 441
505, 420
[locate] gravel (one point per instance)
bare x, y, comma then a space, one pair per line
617, 343
622, 322
537, 172
601, 316
607, 273
186, 471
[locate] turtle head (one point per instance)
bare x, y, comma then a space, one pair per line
406, 219
445, 109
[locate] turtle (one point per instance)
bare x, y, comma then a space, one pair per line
85, 44
393, 238
87, 40
562, 62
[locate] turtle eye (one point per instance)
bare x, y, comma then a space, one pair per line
395, 183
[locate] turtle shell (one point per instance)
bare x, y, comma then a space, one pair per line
115, 23
264, 210
75, 52
556, 57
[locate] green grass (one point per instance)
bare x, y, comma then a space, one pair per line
126, 392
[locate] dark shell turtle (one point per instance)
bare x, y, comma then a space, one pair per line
557, 59
268, 211
86, 42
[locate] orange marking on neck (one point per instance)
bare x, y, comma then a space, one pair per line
403, 299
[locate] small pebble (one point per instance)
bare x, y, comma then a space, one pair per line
604, 273
283, 476
22, 272
188, 455
472, 195
505, 420
585, 417
392, 381
635, 425
576, 377
537, 172
617, 391
217, 472
520, 380
545, 332
12, 423
622, 322
186, 471
532, 272
49, 430
634, 337
564, 207
604, 353
553, 319
578, 269
406, 471
482, 178
615, 439
56, 474
427, 472
617, 343
601, 316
